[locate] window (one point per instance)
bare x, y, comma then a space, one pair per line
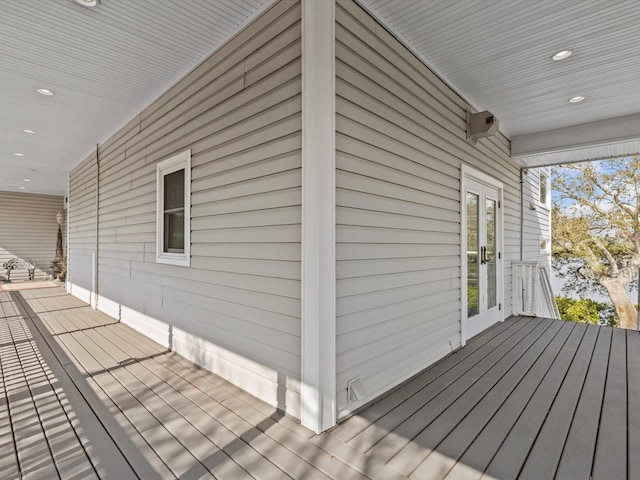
544, 189
545, 244
173, 182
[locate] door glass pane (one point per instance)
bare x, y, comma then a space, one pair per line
174, 190
491, 254
174, 232
472, 254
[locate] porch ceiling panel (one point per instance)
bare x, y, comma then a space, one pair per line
104, 65
497, 55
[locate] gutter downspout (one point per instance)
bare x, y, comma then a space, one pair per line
95, 278
522, 174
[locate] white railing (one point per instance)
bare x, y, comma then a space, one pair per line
532, 292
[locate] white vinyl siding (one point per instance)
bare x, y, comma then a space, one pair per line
401, 141
236, 310
29, 229
537, 216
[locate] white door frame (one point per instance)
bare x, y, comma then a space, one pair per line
466, 173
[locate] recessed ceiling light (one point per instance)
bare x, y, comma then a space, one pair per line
29, 131
577, 99
22, 188
44, 91
561, 55
26, 179
19, 154
87, 3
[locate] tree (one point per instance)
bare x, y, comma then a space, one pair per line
596, 229
585, 310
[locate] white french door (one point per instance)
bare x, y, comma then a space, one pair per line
482, 244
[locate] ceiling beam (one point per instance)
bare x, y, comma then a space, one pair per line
604, 133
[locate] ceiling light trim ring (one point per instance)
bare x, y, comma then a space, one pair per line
561, 55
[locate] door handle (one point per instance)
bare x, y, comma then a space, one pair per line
483, 255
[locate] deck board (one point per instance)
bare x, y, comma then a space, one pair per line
543, 458
578, 453
394, 436
611, 448
84, 396
633, 412
516, 446
505, 401
422, 445
357, 424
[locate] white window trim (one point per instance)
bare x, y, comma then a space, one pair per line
170, 165
547, 201
548, 244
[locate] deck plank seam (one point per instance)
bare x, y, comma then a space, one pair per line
41, 329
263, 430
336, 431
540, 383
263, 427
510, 392
585, 381
33, 403
472, 360
535, 345
445, 387
606, 377
11, 419
60, 403
132, 362
553, 401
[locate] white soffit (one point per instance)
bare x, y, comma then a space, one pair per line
104, 64
497, 55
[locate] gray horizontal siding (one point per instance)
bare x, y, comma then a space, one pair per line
236, 309
82, 228
400, 145
29, 229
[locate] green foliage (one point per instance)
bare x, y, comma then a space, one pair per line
585, 310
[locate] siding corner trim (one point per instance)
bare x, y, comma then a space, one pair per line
318, 389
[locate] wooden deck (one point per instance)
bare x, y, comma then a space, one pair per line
83, 396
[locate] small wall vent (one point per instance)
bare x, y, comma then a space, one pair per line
355, 390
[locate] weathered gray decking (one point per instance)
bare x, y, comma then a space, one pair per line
83, 396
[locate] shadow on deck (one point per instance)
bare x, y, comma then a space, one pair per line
83, 396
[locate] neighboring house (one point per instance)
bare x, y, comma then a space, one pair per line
294, 249
29, 230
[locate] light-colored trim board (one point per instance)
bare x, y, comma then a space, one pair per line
318, 216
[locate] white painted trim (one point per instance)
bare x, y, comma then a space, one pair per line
546, 203
318, 342
465, 173
170, 165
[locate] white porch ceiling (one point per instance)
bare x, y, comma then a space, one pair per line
104, 65
107, 63
497, 54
